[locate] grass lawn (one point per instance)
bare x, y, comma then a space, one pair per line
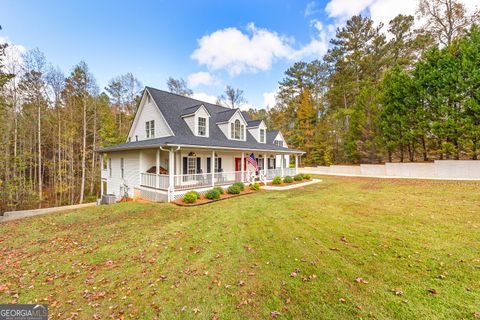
345, 248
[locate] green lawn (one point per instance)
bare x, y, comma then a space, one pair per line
360, 248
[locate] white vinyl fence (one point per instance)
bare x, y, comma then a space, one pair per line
439, 169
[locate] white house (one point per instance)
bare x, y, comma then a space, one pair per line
177, 144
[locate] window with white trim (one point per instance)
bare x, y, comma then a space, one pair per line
262, 135
202, 126
237, 130
192, 165
278, 143
150, 128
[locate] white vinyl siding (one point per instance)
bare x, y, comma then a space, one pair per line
148, 111
131, 173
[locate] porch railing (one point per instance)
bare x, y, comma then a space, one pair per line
152, 180
204, 180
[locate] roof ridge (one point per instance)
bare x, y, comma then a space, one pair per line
176, 94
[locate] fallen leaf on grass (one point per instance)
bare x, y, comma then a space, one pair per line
476, 314
342, 300
241, 283
432, 291
275, 314
397, 292
361, 280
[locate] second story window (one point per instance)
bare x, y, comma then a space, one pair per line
278, 143
150, 128
262, 135
202, 126
237, 130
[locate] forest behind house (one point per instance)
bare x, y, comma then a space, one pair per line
406, 91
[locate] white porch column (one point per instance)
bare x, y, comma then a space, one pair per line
265, 168
296, 164
171, 167
140, 167
212, 168
242, 165
157, 169
281, 164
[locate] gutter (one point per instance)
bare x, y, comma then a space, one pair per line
201, 147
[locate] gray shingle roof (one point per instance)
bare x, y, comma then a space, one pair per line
173, 106
254, 123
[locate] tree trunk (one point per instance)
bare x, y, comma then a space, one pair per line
39, 140
424, 148
84, 149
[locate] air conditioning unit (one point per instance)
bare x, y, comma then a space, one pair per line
109, 199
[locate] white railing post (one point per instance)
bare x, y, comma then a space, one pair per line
296, 164
171, 187
281, 165
157, 169
212, 168
140, 165
242, 165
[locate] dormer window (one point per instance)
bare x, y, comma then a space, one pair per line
237, 130
202, 126
278, 143
150, 128
262, 135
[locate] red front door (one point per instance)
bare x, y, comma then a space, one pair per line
238, 164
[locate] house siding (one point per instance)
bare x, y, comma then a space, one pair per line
148, 112
131, 173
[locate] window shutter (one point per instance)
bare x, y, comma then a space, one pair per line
220, 164
209, 165
185, 165
199, 165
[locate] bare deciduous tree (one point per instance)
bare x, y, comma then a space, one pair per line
233, 98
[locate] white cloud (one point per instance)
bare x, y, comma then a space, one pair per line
200, 78
379, 10
204, 97
346, 8
13, 60
270, 99
311, 9
237, 52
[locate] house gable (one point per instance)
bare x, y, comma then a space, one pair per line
255, 131
279, 137
192, 120
229, 125
148, 111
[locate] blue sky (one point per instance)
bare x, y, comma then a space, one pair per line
247, 44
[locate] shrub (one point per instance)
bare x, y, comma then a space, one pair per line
190, 197
277, 180
234, 189
212, 194
196, 193
219, 189
288, 179
255, 186
307, 176
240, 185
298, 177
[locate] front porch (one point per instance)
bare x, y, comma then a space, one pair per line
194, 169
